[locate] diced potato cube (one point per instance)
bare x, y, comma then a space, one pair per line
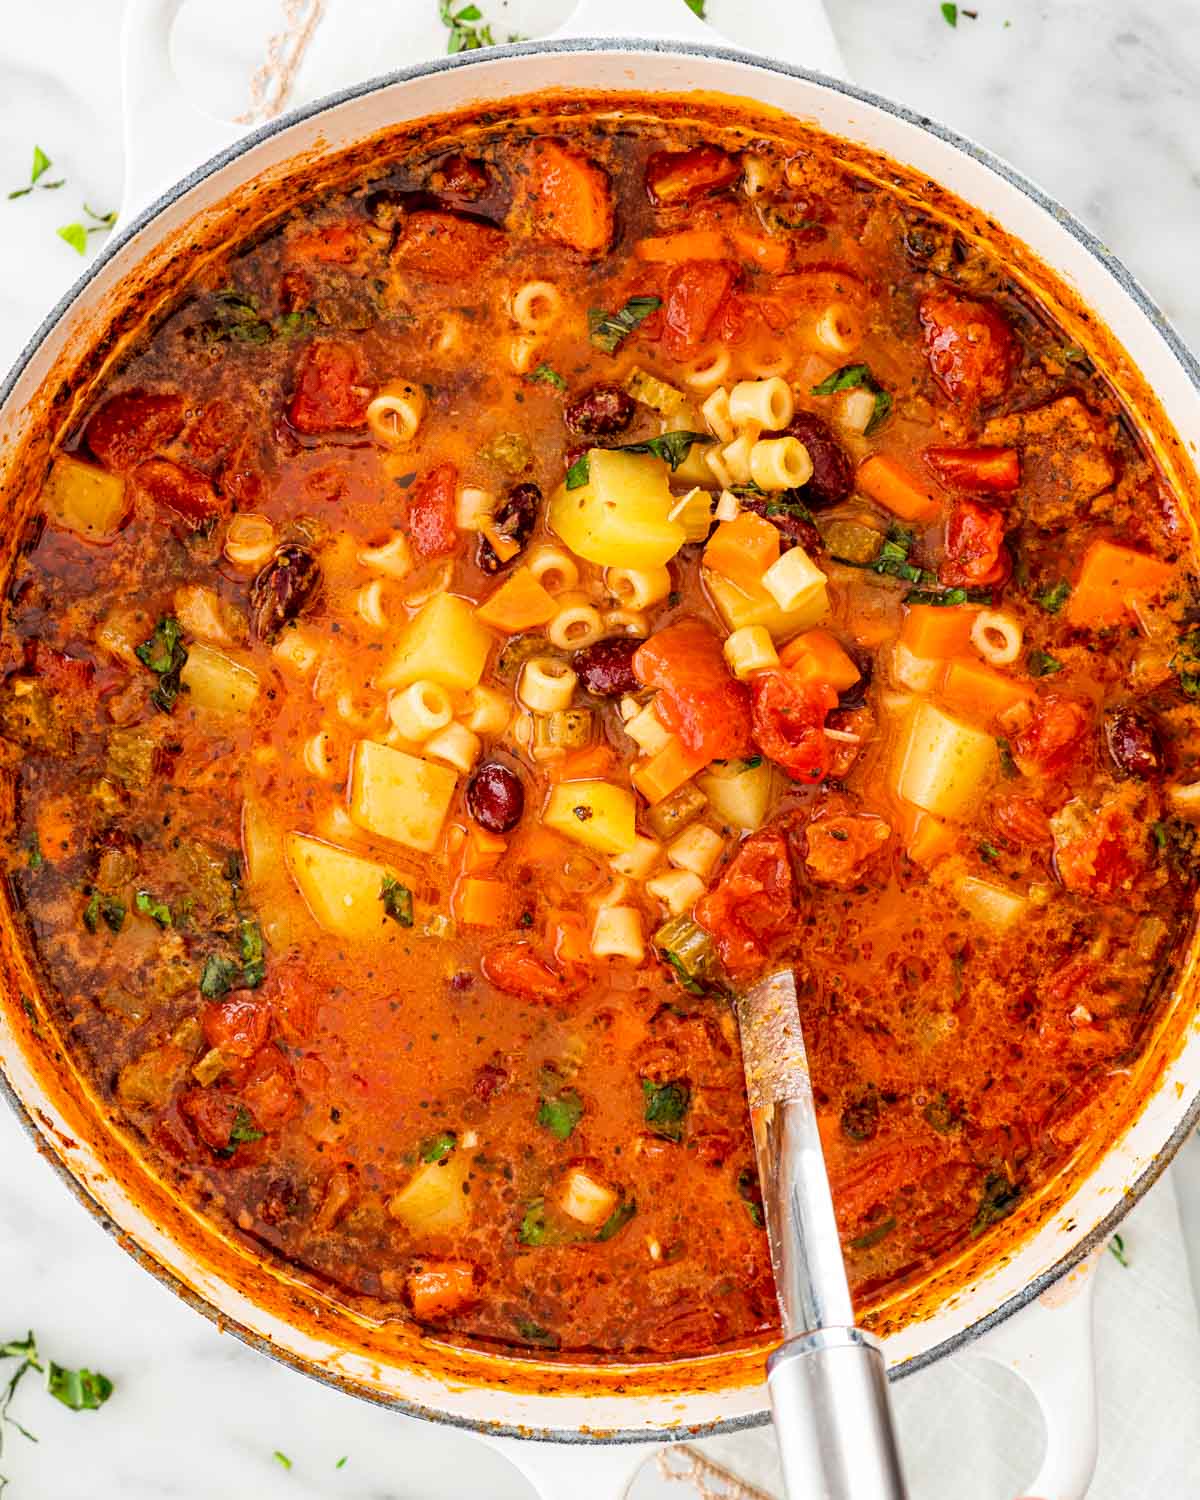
647, 730
443, 643
343, 891
637, 863
993, 904
594, 813
397, 796
433, 1201
739, 795
621, 517
261, 843
943, 766
740, 607
84, 498
796, 583
215, 683
205, 616
586, 1200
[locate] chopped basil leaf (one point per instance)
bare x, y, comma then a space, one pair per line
219, 976
438, 1147
696, 7
164, 654
150, 906
75, 235
103, 221
617, 1220
666, 1105
948, 598
534, 1333
950, 13
253, 958
750, 1192
548, 376
41, 164
939, 1114
106, 909
1042, 664
610, 330
851, 377
989, 852
534, 1230
1053, 597
80, 1390
671, 447
997, 1201
341, 1463
892, 560
579, 473
1117, 1246
874, 1235
282, 1459
243, 1131
397, 901
33, 853
560, 1113
464, 38
693, 986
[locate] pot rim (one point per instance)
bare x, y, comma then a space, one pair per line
1111, 263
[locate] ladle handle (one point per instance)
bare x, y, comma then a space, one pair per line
833, 1417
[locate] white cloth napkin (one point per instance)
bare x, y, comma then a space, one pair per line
969, 1430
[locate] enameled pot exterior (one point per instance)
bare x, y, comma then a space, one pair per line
655, 68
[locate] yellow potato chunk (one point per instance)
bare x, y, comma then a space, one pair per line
85, 499
743, 607
217, 684
586, 1200
994, 905
444, 643
433, 1201
739, 796
943, 766
594, 813
397, 796
621, 517
343, 891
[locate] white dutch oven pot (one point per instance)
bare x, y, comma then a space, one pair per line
1047, 1274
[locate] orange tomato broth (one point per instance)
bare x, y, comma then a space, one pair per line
959, 1062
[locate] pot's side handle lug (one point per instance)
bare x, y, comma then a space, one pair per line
1050, 1346
165, 135
796, 30
575, 1471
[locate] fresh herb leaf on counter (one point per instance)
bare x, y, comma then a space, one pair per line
76, 235
950, 14
282, 1459
41, 165
463, 37
851, 377
609, 331
1117, 1246
697, 8
78, 1390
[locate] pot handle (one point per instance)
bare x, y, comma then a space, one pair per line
1050, 1346
795, 30
582, 1471
164, 133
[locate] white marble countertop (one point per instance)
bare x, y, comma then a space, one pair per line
1096, 100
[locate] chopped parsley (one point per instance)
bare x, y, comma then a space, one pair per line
397, 901
852, 377
438, 1148
997, 1201
534, 1230
106, 909
463, 36
1186, 663
1053, 597
243, 1131
579, 473
666, 1104
617, 1220
560, 1113
548, 376
165, 656
609, 331
151, 906
1042, 664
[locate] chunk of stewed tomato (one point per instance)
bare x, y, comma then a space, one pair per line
969, 346
517, 969
443, 247
975, 553
841, 849
1053, 738
432, 509
789, 723
686, 176
697, 293
752, 903
134, 426
338, 244
214, 1116
698, 699
1022, 821
331, 390
237, 1026
1099, 854
993, 470
178, 488
570, 198
437, 1288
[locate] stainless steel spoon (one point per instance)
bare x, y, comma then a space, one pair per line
828, 1385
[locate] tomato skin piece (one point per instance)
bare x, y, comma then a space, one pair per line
789, 723
133, 426
269, 1090
516, 969
178, 488
1052, 738
331, 392
696, 291
238, 1025
993, 470
572, 199
432, 504
686, 176
975, 553
751, 904
969, 346
698, 698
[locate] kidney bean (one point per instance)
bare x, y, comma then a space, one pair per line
495, 797
600, 412
515, 519
1133, 742
285, 587
606, 667
833, 474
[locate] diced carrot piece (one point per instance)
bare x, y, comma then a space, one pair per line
931, 631
688, 244
567, 937
768, 254
665, 772
440, 1287
895, 488
743, 549
582, 765
980, 690
481, 903
926, 839
572, 199
520, 603
817, 656
1108, 575
539, 845
481, 850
